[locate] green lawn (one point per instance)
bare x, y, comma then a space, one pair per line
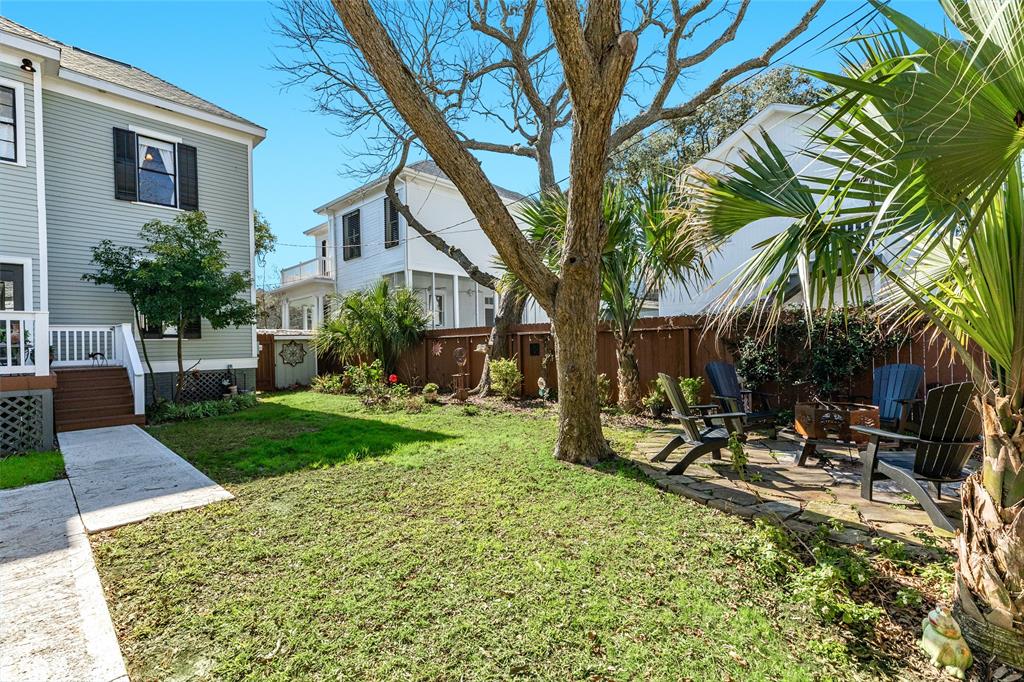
439, 546
33, 467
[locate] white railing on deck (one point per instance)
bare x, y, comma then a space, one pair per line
316, 267
83, 345
20, 350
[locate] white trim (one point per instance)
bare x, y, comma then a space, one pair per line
722, 149
128, 93
20, 150
158, 135
316, 230
252, 246
35, 47
170, 208
162, 366
125, 104
26, 277
40, 160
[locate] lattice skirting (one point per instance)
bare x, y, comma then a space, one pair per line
26, 421
206, 385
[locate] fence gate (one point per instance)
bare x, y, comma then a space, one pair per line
265, 363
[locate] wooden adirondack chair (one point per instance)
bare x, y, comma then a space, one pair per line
700, 435
725, 386
948, 435
894, 390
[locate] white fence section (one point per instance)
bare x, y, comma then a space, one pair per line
316, 267
83, 345
20, 350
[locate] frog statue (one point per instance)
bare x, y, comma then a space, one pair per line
943, 642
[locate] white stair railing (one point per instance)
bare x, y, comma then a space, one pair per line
20, 349
124, 342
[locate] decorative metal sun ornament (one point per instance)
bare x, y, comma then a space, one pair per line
293, 353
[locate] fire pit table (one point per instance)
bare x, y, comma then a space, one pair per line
828, 422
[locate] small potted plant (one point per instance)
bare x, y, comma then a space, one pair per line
228, 387
430, 393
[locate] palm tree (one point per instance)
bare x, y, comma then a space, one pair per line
925, 144
375, 323
645, 247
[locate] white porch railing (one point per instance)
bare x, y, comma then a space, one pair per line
83, 345
20, 350
101, 345
315, 267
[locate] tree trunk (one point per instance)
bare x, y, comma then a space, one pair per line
145, 355
179, 385
990, 563
510, 312
629, 377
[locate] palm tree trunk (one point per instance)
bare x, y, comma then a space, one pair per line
990, 561
510, 312
629, 376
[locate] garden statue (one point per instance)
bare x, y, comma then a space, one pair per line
943, 642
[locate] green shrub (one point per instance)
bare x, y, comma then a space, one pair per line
691, 388
327, 383
604, 390
505, 377
430, 392
365, 378
656, 400
413, 404
176, 412
431, 388
470, 410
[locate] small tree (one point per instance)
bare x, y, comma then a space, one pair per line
374, 323
191, 281
645, 247
265, 241
127, 270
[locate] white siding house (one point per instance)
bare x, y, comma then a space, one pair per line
364, 242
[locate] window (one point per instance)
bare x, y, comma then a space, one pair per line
390, 224
438, 310
489, 311
12, 286
325, 269
350, 226
8, 125
193, 330
156, 172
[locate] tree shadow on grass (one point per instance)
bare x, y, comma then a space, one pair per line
276, 439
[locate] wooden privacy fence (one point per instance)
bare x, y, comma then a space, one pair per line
675, 345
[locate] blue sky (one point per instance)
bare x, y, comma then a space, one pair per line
224, 51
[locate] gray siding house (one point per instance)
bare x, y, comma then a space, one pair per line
90, 149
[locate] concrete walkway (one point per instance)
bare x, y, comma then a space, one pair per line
121, 474
54, 622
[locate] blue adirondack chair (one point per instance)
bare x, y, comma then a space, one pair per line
725, 387
895, 391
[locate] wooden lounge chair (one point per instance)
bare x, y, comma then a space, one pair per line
949, 433
725, 387
700, 436
894, 390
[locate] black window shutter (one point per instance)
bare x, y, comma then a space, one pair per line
126, 178
188, 179
390, 224
194, 329
350, 223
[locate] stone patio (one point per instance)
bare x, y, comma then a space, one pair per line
825, 491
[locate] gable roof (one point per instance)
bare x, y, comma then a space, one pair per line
425, 167
121, 74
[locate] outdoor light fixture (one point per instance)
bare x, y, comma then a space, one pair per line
26, 65
149, 156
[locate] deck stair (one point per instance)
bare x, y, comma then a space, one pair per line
93, 397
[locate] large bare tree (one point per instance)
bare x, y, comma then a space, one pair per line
440, 67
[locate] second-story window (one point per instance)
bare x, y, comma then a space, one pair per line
8, 125
390, 224
350, 227
157, 172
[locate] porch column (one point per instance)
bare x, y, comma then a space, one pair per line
433, 299
284, 313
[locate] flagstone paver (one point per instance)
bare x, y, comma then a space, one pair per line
827, 491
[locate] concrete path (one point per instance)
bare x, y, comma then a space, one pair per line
54, 622
121, 474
